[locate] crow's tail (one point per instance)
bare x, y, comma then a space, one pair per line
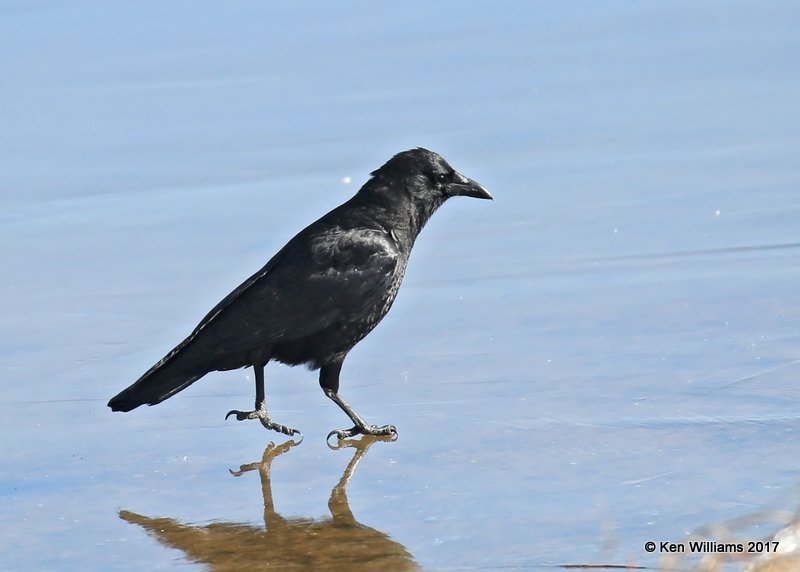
175, 372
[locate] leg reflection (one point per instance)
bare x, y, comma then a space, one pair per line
337, 542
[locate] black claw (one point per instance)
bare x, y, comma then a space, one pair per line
342, 434
233, 412
240, 415
340, 443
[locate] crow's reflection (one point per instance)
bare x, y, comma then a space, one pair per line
336, 543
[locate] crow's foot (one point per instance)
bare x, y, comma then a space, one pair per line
261, 415
363, 430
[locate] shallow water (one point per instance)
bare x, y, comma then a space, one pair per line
606, 354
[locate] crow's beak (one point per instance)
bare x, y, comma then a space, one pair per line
466, 187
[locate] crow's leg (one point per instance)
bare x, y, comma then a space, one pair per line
260, 411
329, 382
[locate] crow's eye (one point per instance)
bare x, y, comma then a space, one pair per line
441, 177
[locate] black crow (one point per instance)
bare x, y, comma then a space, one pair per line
318, 296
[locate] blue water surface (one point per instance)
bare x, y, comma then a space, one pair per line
606, 354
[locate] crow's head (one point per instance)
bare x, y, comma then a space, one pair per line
427, 178
412, 185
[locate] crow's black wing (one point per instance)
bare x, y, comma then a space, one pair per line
316, 280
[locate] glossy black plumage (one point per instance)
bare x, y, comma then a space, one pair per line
319, 295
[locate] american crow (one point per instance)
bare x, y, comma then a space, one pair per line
318, 296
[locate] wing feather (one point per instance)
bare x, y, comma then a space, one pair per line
337, 276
